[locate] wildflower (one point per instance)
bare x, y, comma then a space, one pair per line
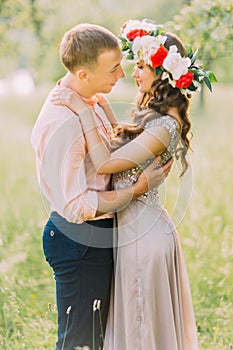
68, 310
96, 304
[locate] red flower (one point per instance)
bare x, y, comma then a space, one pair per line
185, 80
158, 58
135, 33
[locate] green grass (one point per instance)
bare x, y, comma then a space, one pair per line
27, 290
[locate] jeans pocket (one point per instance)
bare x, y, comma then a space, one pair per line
58, 248
49, 241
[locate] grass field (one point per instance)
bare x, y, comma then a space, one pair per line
27, 291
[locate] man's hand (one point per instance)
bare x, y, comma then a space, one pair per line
152, 177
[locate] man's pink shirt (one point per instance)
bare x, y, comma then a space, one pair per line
65, 172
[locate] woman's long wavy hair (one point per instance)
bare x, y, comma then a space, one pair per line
156, 104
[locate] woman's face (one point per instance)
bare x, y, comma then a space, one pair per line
144, 77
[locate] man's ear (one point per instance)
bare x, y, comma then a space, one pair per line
82, 74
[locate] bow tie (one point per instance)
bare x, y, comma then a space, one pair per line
91, 101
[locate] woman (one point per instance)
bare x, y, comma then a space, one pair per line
151, 302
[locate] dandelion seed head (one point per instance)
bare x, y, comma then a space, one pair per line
96, 304
68, 310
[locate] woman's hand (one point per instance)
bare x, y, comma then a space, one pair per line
69, 98
104, 103
152, 177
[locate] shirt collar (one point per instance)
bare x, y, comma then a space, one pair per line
93, 101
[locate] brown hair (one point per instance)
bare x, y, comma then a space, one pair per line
82, 45
157, 103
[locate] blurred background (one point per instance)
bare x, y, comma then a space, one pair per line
201, 204
31, 31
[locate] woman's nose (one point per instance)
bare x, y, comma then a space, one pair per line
135, 72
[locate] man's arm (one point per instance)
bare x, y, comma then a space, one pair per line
62, 171
150, 178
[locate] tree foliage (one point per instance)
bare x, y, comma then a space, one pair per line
20, 15
23, 32
30, 30
208, 26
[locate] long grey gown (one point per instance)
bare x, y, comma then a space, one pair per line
151, 306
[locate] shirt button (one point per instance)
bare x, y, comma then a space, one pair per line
52, 233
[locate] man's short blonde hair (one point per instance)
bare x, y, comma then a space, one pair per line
82, 45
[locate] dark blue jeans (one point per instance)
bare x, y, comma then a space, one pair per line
82, 273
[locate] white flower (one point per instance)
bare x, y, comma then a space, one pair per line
175, 63
137, 25
146, 46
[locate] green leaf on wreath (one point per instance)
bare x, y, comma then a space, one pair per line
130, 56
192, 87
154, 32
123, 39
189, 52
201, 73
212, 77
158, 71
193, 59
130, 45
124, 47
208, 84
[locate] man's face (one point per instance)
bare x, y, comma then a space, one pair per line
106, 72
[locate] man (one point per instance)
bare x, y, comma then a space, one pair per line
77, 239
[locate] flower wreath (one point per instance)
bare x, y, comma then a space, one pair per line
144, 40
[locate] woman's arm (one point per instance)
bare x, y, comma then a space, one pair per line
104, 103
149, 143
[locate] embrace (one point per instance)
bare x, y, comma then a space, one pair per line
121, 280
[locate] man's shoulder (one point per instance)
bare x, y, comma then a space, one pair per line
55, 120
56, 115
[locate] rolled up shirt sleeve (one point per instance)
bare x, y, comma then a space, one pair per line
82, 208
81, 201
61, 168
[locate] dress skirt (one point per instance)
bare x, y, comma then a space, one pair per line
151, 306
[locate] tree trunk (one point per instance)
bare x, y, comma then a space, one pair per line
202, 93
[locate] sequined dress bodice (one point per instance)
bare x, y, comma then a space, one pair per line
129, 177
